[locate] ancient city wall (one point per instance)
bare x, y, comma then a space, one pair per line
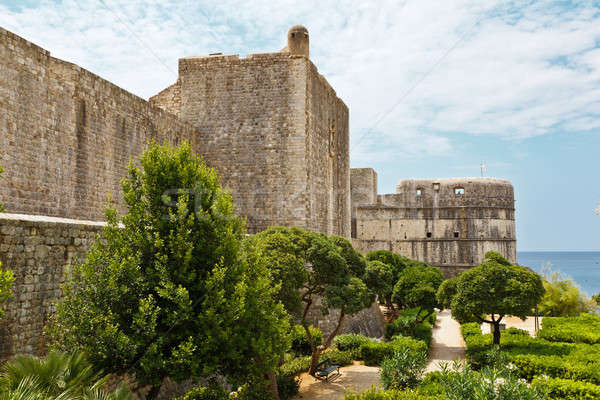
67, 135
38, 250
449, 223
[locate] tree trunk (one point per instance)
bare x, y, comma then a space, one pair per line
317, 352
496, 326
273, 385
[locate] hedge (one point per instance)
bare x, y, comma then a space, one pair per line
350, 341
374, 353
422, 331
582, 329
534, 356
300, 343
566, 389
375, 394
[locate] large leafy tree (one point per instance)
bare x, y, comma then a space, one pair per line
416, 288
310, 265
170, 291
380, 279
562, 297
495, 288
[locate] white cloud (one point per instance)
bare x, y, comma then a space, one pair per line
519, 69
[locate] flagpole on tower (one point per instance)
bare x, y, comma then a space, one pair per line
483, 168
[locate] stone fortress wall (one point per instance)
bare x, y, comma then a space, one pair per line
269, 123
449, 223
67, 135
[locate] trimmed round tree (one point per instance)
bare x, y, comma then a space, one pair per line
416, 288
169, 291
380, 279
309, 265
495, 288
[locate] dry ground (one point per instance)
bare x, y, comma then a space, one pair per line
357, 376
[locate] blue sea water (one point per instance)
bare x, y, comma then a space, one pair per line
581, 266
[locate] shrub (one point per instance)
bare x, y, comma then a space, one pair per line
406, 327
563, 297
404, 369
582, 329
470, 328
215, 392
375, 353
340, 357
350, 341
516, 331
58, 375
300, 342
295, 366
287, 386
375, 394
566, 389
7, 280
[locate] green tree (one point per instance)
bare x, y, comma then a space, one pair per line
308, 265
596, 298
380, 279
494, 288
416, 288
170, 291
562, 297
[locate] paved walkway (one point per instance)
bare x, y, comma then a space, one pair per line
447, 344
357, 376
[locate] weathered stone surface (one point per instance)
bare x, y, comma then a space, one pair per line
449, 223
39, 272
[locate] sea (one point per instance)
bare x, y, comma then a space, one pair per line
581, 266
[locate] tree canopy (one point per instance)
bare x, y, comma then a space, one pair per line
170, 290
416, 288
495, 288
562, 297
309, 265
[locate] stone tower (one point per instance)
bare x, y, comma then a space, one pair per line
276, 132
298, 41
449, 223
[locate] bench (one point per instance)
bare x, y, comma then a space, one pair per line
325, 368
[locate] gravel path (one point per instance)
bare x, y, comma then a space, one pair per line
447, 344
357, 376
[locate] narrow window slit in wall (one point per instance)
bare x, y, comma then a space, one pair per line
456, 234
428, 234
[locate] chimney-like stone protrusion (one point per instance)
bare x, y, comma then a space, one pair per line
298, 43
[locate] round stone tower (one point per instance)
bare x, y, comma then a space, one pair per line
298, 43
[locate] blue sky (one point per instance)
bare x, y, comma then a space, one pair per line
434, 87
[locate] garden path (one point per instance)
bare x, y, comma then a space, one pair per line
447, 344
356, 376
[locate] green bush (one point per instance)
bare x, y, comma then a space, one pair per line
215, 392
582, 329
404, 369
350, 341
294, 366
339, 357
470, 328
300, 343
404, 327
566, 389
287, 386
375, 394
516, 331
375, 353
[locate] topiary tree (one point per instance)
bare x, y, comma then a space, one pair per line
171, 290
380, 279
416, 288
494, 288
309, 265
